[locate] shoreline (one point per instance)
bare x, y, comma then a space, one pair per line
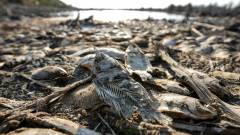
18, 12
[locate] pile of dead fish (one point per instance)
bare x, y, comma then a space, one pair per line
147, 77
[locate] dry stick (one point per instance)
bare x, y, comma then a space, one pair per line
97, 126
205, 95
197, 31
105, 122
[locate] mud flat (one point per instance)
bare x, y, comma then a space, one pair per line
131, 77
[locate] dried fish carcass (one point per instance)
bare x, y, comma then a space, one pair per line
120, 91
180, 106
137, 63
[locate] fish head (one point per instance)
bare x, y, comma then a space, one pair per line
205, 111
199, 110
136, 60
104, 63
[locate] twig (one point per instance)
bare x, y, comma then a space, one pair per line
97, 126
66, 89
197, 31
56, 94
105, 122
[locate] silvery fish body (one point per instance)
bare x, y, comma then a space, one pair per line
48, 73
113, 52
120, 91
137, 63
87, 61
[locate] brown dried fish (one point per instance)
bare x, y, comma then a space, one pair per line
197, 82
40, 119
84, 97
87, 61
113, 52
48, 73
214, 85
120, 91
180, 106
88, 55
35, 131
171, 86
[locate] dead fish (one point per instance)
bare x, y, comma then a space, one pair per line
84, 97
49, 73
117, 89
85, 131
40, 119
87, 61
180, 106
113, 52
137, 63
213, 84
35, 131
171, 86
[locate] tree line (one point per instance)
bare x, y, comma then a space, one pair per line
210, 10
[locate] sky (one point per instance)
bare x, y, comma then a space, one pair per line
116, 4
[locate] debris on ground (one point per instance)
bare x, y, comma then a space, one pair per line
90, 77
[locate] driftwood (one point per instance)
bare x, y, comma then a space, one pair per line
75, 23
194, 81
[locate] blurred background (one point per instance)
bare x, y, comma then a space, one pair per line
113, 10
49, 45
